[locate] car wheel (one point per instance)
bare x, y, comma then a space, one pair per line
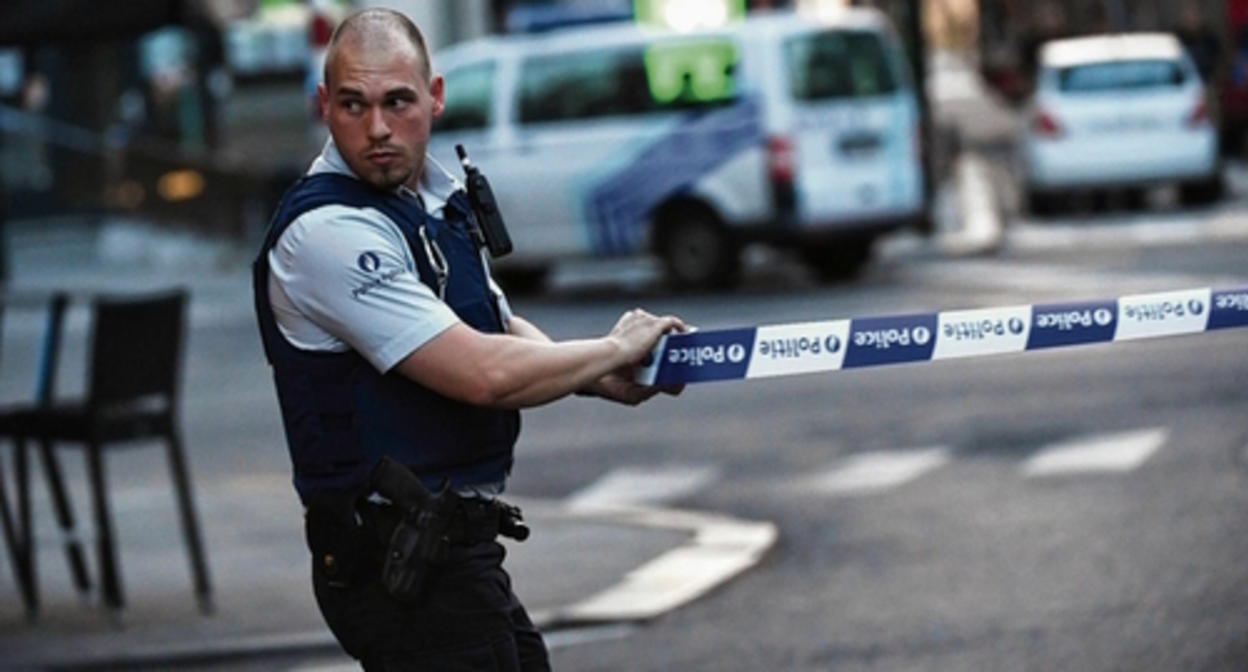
1206, 192
1102, 200
697, 251
1136, 199
838, 262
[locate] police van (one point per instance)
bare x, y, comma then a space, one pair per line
623, 140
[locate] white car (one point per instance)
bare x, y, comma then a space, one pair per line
620, 140
1118, 112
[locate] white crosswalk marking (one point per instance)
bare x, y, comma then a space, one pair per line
636, 486
1099, 453
873, 472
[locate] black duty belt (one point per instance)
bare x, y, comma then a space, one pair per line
397, 524
469, 520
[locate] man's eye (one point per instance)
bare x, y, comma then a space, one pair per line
352, 106
399, 103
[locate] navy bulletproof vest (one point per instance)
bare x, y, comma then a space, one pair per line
339, 413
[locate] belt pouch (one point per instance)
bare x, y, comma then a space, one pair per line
342, 548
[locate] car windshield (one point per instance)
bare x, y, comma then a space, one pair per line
838, 64
1121, 75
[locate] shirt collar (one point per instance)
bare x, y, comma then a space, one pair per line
435, 181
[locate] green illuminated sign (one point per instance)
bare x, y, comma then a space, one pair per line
698, 70
694, 70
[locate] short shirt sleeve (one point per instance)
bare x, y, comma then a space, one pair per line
344, 278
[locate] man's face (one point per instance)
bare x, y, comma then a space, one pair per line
379, 110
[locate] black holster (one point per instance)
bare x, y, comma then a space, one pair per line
428, 524
418, 543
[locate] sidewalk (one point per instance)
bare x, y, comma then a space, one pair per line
581, 566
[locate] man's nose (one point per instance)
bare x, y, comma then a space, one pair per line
377, 126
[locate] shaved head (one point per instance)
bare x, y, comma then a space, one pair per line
373, 32
380, 97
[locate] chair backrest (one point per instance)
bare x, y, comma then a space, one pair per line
136, 348
50, 350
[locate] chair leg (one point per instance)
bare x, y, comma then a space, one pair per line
106, 550
190, 522
26, 532
19, 555
65, 518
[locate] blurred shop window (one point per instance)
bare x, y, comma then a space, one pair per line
24, 163
10, 93
10, 75
166, 64
24, 166
184, 81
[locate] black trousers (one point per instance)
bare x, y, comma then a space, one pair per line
470, 620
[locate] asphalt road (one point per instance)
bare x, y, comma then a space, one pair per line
985, 555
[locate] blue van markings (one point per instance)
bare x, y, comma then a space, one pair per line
700, 143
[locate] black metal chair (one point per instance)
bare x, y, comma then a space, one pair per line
132, 395
18, 533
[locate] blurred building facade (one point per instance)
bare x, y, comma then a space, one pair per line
208, 101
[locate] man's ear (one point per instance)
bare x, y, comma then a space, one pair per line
437, 89
322, 101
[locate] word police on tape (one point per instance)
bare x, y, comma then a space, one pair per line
811, 347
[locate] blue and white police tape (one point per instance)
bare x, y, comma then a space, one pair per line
810, 347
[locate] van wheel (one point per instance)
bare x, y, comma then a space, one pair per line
1207, 192
839, 262
697, 251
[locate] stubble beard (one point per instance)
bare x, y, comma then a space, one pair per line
389, 180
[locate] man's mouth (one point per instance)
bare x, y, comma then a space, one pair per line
382, 156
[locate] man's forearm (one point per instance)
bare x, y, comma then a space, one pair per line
524, 367
518, 326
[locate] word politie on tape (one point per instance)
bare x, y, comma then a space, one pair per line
810, 347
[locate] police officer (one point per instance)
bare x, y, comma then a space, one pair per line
388, 339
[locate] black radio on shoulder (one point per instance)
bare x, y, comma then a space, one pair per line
491, 229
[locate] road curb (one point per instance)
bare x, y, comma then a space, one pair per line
719, 548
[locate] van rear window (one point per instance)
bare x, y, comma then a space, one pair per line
838, 64
603, 83
1121, 75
